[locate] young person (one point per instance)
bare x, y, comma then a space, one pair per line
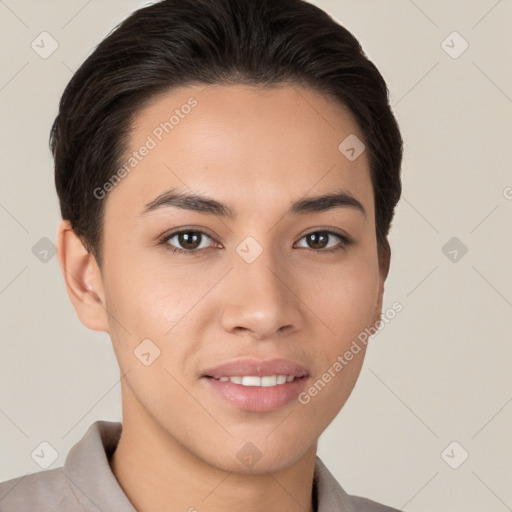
227, 172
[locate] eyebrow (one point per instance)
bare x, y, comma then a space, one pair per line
206, 205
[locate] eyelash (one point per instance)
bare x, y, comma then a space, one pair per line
344, 244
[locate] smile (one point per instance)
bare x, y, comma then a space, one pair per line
253, 380
256, 385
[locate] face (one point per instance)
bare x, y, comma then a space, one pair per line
252, 276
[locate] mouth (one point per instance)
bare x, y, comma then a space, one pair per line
255, 385
267, 381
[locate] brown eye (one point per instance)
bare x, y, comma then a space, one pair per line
318, 240
325, 241
188, 241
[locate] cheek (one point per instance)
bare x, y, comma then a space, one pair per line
344, 298
344, 301
158, 301
148, 296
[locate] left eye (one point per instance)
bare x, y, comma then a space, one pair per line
321, 240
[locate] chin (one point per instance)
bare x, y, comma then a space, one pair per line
256, 459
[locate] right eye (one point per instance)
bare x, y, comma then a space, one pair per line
187, 241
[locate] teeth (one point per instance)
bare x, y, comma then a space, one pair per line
269, 381
252, 380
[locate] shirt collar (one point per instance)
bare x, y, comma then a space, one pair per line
88, 470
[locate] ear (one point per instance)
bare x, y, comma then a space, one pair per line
83, 279
384, 262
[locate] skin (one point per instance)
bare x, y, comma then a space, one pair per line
257, 150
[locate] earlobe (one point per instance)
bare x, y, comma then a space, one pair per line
83, 279
384, 263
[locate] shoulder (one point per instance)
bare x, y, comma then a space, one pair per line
43, 491
85, 478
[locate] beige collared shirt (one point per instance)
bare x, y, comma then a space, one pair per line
86, 483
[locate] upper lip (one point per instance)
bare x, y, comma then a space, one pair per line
256, 367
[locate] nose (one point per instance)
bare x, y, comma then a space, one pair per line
262, 299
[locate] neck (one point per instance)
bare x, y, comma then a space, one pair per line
158, 474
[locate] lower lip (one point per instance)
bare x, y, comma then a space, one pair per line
258, 398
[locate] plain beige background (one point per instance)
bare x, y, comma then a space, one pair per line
438, 373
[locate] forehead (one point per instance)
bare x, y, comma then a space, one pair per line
241, 142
